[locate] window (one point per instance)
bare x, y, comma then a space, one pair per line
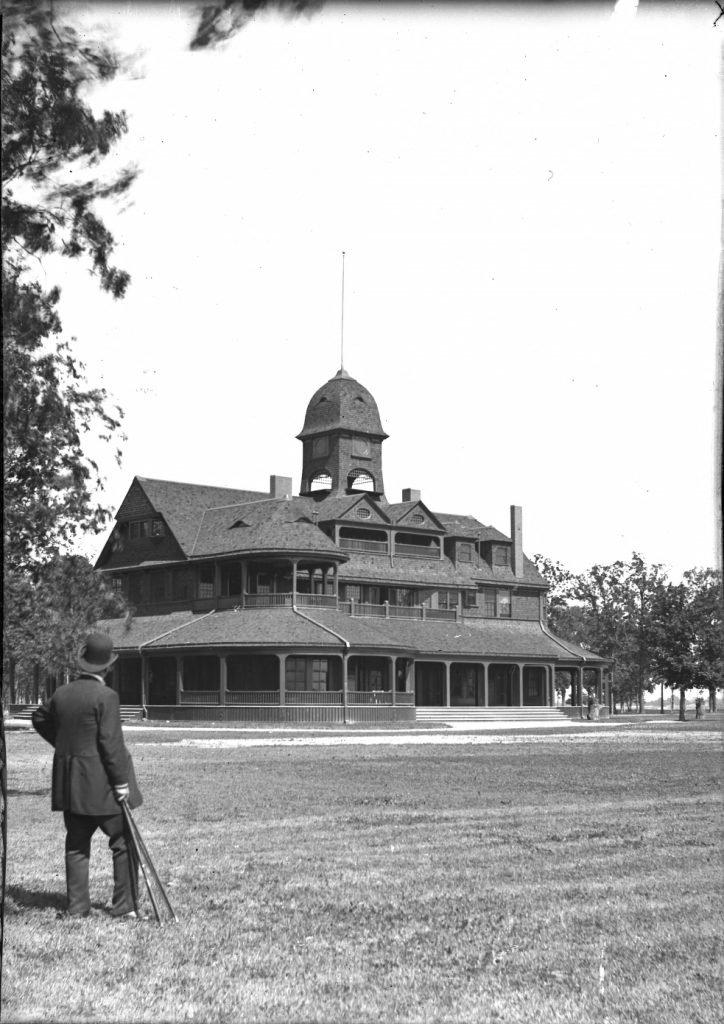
447, 599
353, 592
489, 602
497, 603
158, 528
417, 519
360, 480
206, 581
307, 673
117, 584
320, 447
231, 579
321, 482
363, 512
503, 604
465, 551
501, 555
470, 598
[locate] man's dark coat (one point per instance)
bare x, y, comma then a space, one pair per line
83, 722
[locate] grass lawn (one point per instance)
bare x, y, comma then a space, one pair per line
567, 877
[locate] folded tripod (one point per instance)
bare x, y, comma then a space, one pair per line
140, 858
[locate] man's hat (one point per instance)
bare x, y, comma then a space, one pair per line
96, 653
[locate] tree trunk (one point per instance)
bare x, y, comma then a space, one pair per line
682, 704
712, 699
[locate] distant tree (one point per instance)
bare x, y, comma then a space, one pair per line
46, 619
688, 641
707, 598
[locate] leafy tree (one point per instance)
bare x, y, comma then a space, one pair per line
217, 23
52, 148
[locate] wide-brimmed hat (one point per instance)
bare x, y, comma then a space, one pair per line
96, 653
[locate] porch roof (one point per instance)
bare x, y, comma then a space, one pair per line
326, 628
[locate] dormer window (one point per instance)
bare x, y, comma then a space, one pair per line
465, 551
363, 512
501, 554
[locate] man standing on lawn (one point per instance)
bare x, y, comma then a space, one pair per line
92, 775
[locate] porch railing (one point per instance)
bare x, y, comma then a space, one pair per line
199, 697
268, 600
313, 697
369, 697
317, 600
252, 696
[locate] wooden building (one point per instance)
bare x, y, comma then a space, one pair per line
331, 605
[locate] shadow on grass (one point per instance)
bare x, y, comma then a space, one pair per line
17, 897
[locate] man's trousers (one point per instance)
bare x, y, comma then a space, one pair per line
79, 832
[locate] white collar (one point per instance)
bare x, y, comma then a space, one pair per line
92, 675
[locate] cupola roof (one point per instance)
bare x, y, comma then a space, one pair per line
342, 404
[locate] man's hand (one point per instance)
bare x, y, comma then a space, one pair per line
121, 793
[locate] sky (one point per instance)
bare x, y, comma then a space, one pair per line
528, 200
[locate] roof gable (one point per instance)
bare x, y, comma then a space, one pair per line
406, 513
359, 502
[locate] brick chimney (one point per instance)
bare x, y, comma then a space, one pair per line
408, 494
280, 487
516, 535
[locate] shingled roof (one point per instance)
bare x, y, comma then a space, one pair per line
271, 525
182, 505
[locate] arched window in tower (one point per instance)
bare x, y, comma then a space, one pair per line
360, 480
321, 482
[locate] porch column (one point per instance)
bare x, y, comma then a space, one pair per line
393, 680
222, 679
599, 686
335, 578
447, 684
179, 677
410, 675
144, 681
345, 697
295, 562
282, 678
244, 582
551, 686
520, 684
485, 684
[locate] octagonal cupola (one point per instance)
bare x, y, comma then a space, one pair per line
342, 440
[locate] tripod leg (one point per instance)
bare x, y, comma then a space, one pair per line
141, 846
133, 831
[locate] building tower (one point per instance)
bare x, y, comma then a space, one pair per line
342, 440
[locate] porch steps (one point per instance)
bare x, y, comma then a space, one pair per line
23, 712
492, 716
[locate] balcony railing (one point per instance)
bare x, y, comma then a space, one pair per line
376, 547
417, 550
